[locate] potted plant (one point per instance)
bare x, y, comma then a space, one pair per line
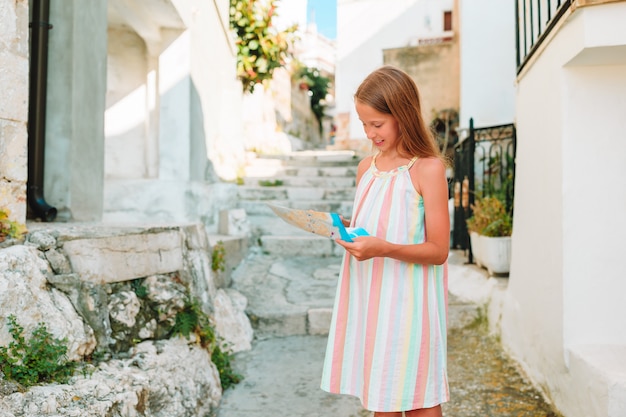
491, 227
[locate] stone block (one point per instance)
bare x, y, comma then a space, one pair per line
233, 222
319, 320
123, 258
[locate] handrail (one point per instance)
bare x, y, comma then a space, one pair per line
531, 32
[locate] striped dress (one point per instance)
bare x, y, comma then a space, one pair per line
387, 340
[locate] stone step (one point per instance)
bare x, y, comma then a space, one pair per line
288, 295
260, 207
603, 368
277, 169
294, 193
299, 245
300, 181
314, 158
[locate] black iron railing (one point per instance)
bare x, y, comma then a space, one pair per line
484, 166
535, 19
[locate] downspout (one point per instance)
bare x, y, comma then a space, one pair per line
37, 111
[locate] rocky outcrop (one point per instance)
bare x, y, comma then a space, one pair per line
115, 293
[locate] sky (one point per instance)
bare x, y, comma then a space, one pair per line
325, 16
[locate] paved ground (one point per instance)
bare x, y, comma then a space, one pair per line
282, 374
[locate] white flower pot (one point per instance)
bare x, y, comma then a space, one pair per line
495, 254
475, 244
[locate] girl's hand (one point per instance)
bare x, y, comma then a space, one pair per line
363, 247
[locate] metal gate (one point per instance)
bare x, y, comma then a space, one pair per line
484, 165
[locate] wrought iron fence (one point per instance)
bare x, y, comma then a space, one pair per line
535, 19
484, 165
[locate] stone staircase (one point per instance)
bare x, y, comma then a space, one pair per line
317, 180
290, 282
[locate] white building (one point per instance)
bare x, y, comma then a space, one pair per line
142, 109
564, 315
367, 27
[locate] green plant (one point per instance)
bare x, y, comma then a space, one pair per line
10, 228
193, 320
270, 183
140, 290
317, 86
490, 218
40, 359
218, 257
261, 48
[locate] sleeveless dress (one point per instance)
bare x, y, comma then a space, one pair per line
387, 340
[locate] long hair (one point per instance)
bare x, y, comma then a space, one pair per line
391, 91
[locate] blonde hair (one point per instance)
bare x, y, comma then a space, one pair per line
392, 91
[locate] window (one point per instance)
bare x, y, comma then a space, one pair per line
447, 21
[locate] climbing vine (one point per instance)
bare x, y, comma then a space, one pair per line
261, 48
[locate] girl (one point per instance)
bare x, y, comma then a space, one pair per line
387, 341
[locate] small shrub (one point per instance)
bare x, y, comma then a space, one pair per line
490, 218
193, 320
40, 359
218, 257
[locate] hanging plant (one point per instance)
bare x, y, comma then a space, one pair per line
261, 48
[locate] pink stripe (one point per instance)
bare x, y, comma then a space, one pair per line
372, 325
340, 332
424, 360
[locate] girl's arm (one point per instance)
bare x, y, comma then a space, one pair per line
429, 179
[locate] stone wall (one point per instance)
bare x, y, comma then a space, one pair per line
13, 106
117, 294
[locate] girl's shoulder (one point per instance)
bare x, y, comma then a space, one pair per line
430, 163
426, 170
363, 166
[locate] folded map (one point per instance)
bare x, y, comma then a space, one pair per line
318, 222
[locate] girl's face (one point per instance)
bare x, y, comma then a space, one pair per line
381, 128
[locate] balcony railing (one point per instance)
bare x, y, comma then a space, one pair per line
535, 19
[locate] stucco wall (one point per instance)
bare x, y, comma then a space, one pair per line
14, 106
566, 288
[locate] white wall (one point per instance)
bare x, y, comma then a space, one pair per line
487, 62
566, 289
126, 106
365, 28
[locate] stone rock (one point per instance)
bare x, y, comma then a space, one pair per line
167, 294
162, 379
124, 307
24, 293
231, 322
58, 262
122, 258
42, 240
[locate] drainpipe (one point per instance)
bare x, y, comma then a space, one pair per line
37, 111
